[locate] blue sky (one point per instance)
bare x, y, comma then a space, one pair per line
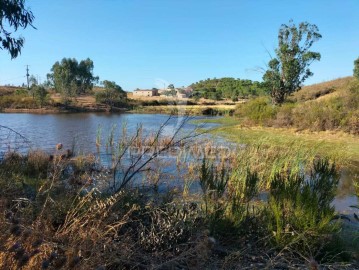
146, 43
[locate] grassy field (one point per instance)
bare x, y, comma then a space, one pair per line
339, 146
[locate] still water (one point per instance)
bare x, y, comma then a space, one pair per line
79, 130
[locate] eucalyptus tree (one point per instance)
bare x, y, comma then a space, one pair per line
71, 78
13, 15
290, 68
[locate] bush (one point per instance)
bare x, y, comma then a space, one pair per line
284, 116
339, 112
111, 97
15, 101
257, 111
300, 206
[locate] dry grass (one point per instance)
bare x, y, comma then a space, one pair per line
322, 90
8, 90
66, 227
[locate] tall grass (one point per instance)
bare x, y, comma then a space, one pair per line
67, 223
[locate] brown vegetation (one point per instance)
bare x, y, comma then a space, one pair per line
54, 217
332, 105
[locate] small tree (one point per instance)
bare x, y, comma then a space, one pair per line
112, 94
40, 94
13, 15
356, 68
290, 68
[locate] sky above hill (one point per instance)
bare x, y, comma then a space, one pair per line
149, 43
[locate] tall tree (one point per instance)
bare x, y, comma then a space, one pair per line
290, 68
71, 78
13, 15
356, 68
85, 75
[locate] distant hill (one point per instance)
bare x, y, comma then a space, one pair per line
229, 88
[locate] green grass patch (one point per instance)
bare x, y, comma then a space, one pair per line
338, 146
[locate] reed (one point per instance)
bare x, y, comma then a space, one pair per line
71, 224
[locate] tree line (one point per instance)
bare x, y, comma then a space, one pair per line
285, 73
229, 88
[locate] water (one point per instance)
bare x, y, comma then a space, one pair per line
78, 131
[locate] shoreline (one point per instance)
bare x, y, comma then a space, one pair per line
340, 146
62, 110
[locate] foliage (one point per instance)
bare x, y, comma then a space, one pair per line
112, 95
213, 183
71, 78
227, 192
18, 100
337, 112
330, 112
356, 68
256, 111
40, 94
65, 223
229, 88
290, 68
300, 207
14, 15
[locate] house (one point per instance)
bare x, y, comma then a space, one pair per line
145, 93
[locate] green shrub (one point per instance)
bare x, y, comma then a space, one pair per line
257, 111
111, 97
299, 208
226, 196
